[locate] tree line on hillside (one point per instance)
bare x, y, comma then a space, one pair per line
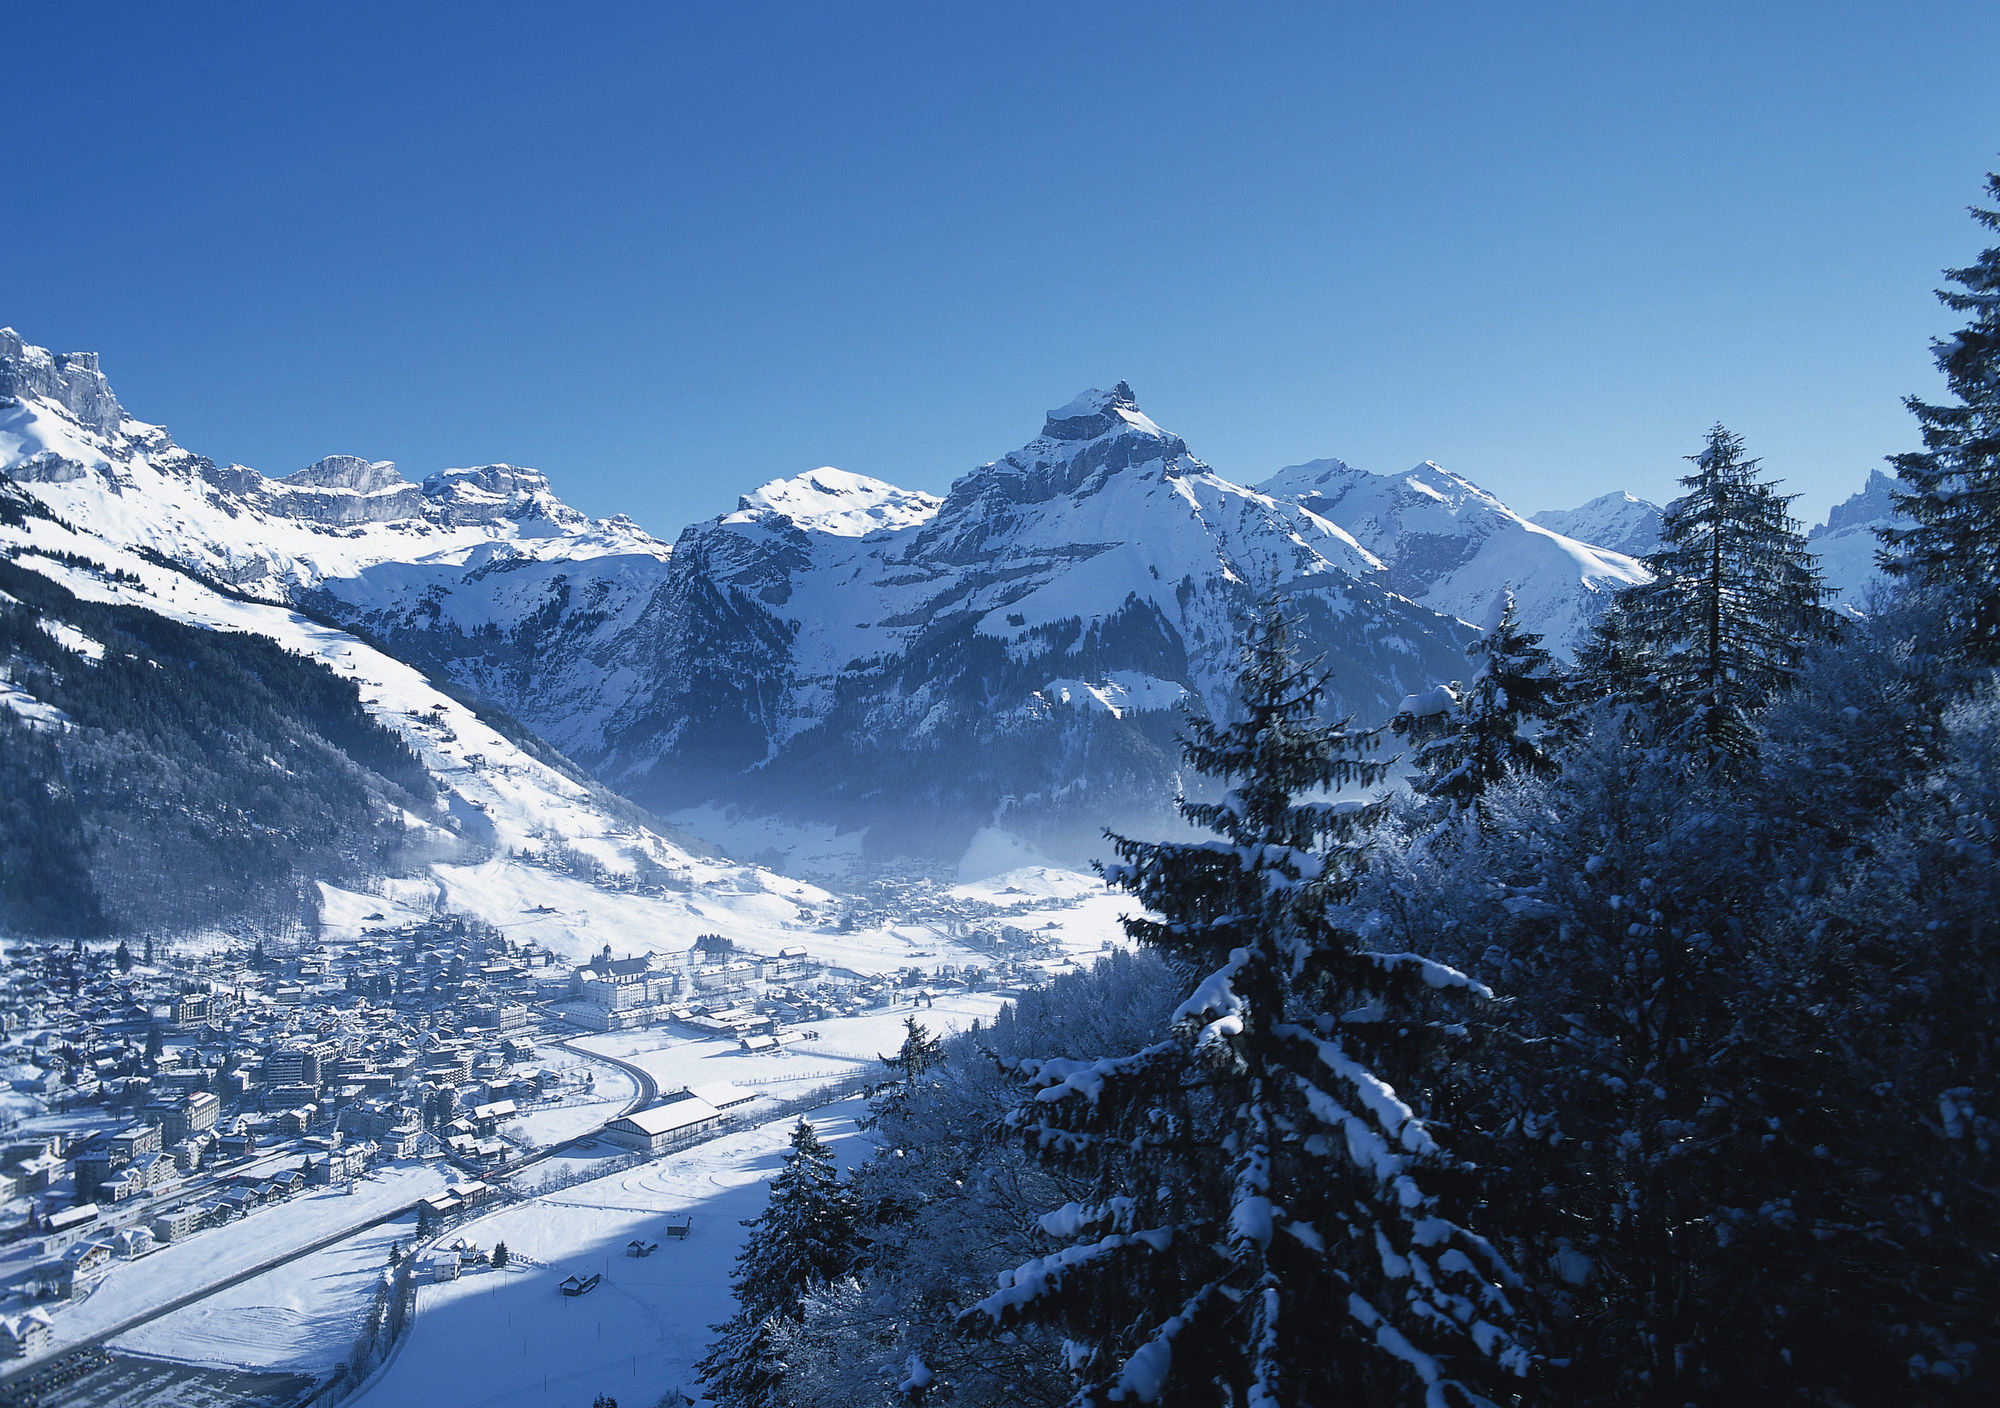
1643, 1052
198, 777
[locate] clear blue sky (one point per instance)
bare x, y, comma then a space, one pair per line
666, 253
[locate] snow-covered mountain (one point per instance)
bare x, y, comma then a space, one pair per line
1847, 542
838, 648
1447, 543
514, 829
63, 433
1014, 652
1618, 520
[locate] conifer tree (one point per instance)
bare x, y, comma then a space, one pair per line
1269, 1220
920, 1054
1489, 728
1734, 602
1951, 488
804, 1239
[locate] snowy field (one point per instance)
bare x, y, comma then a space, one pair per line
134, 1288
500, 1339
544, 1124
846, 1046
301, 1318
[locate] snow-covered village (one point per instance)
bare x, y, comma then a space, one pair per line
1031, 707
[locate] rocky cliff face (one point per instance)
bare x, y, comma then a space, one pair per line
69, 379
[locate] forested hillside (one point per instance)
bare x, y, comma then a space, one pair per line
161, 776
1642, 1053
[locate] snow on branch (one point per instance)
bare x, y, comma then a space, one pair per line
1434, 974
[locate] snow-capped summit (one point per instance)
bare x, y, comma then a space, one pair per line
1454, 546
63, 431
1093, 413
1620, 521
829, 500
1082, 446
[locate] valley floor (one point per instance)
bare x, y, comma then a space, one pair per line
498, 1339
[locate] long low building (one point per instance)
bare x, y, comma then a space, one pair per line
654, 1130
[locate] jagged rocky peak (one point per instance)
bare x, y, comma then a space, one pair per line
837, 501
1082, 445
1875, 504
1096, 413
70, 379
348, 472
499, 480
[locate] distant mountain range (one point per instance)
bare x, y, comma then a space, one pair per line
843, 651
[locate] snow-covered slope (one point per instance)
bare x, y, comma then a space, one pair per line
1618, 521
1847, 542
518, 824
1449, 544
63, 433
837, 648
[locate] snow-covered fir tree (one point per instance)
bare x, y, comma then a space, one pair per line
804, 1238
1734, 602
949, 1196
1467, 738
1951, 488
1268, 1219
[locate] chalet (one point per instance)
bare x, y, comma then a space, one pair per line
470, 1193
638, 1246
485, 1117
348, 1161
239, 1201
439, 1266
86, 1257
579, 1285
130, 1243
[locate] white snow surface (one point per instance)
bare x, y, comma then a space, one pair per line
301, 1318
1619, 521
499, 1339
1455, 547
135, 1287
833, 501
493, 791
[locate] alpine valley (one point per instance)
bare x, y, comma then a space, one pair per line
837, 654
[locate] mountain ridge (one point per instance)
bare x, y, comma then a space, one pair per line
836, 646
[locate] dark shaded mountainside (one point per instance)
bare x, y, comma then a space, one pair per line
156, 775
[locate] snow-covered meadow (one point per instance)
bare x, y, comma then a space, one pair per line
496, 1339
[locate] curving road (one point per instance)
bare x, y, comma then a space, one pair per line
645, 1091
